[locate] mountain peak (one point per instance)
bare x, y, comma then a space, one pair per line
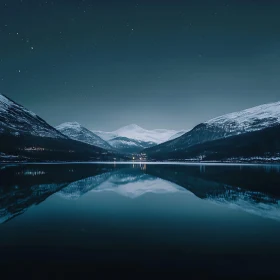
134, 131
130, 127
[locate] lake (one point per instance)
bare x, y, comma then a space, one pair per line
141, 220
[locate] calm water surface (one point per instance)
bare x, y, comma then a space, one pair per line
206, 221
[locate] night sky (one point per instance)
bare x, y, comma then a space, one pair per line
159, 64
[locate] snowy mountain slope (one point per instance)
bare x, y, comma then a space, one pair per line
177, 135
136, 132
16, 120
26, 137
77, 132
127, 145
106, 136
250, 120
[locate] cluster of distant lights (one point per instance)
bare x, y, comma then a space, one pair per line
139, 158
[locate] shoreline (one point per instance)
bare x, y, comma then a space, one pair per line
216, 163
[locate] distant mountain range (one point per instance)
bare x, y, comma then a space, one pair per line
128, 145
136, 132
133, 138
250, 134
130, 139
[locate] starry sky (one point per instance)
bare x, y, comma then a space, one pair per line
159, 64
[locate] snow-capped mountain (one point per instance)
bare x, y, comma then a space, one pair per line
127, 145
136, 132
16, 120
77, 132
239, 123
26, 137
133, 138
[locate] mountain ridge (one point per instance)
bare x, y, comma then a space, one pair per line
24, 137
233, 124
16, 119
135, 132
76, 131
128, 145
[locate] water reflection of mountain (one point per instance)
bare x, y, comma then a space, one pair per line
252, 189
22, 186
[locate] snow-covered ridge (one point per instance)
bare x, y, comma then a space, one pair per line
15, 119
136, 132
77, 132
250, 120
6, 104
255, 118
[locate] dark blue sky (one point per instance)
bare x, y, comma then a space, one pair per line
160, 64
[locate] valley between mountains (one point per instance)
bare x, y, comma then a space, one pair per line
251, 135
